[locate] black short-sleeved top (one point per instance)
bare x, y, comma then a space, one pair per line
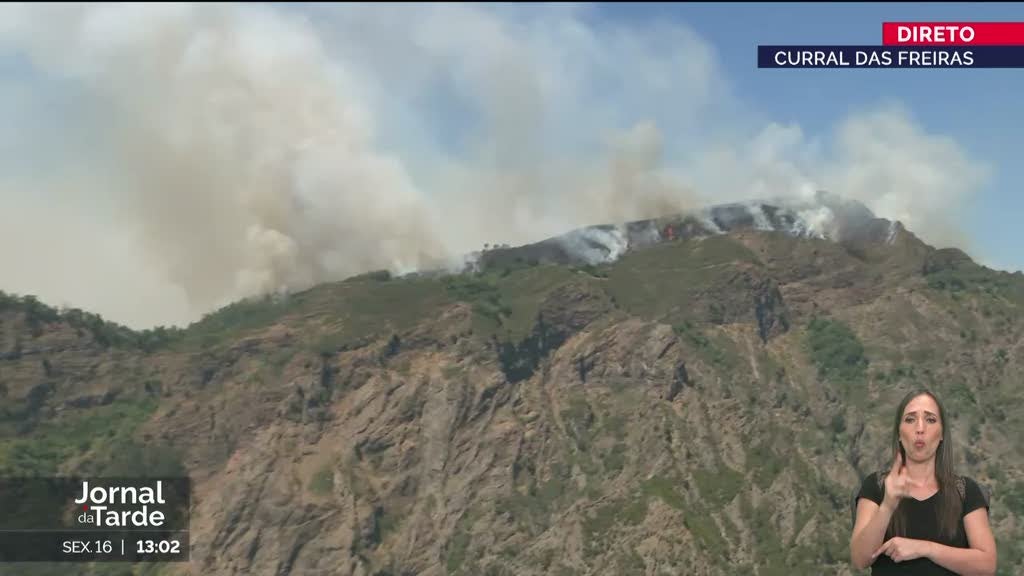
923, 525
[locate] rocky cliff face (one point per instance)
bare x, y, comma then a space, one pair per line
704, 404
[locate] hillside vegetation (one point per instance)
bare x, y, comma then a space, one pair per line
704, 406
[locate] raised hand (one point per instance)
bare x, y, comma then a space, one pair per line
898, 483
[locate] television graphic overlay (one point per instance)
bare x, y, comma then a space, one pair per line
72, 519
912, 45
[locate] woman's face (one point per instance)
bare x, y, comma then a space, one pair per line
921, 428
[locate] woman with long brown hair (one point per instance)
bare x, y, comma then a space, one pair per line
920, 517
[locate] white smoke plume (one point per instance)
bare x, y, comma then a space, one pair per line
233, 148
902, 173
197, 154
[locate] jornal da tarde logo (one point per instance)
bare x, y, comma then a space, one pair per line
99, 519
121, 506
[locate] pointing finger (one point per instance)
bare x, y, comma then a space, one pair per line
880, 549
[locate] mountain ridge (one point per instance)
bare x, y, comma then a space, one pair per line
700, 405
826, 216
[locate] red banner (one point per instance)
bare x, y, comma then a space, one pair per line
953, 33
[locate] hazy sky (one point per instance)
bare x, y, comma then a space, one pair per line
159, 161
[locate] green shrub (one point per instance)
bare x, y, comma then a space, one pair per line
718, 487
106, 334
322, 481
665, 490
694, 336
836, 351
1013, 498
113, 452
481, 292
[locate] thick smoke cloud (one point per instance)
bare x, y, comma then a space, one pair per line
200, 154
229, 146
881, 158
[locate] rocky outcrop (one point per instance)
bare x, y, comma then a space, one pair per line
574, 427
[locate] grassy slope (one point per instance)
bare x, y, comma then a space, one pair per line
964, 329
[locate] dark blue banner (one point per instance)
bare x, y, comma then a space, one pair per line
890, 57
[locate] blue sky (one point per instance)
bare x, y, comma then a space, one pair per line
184, 156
